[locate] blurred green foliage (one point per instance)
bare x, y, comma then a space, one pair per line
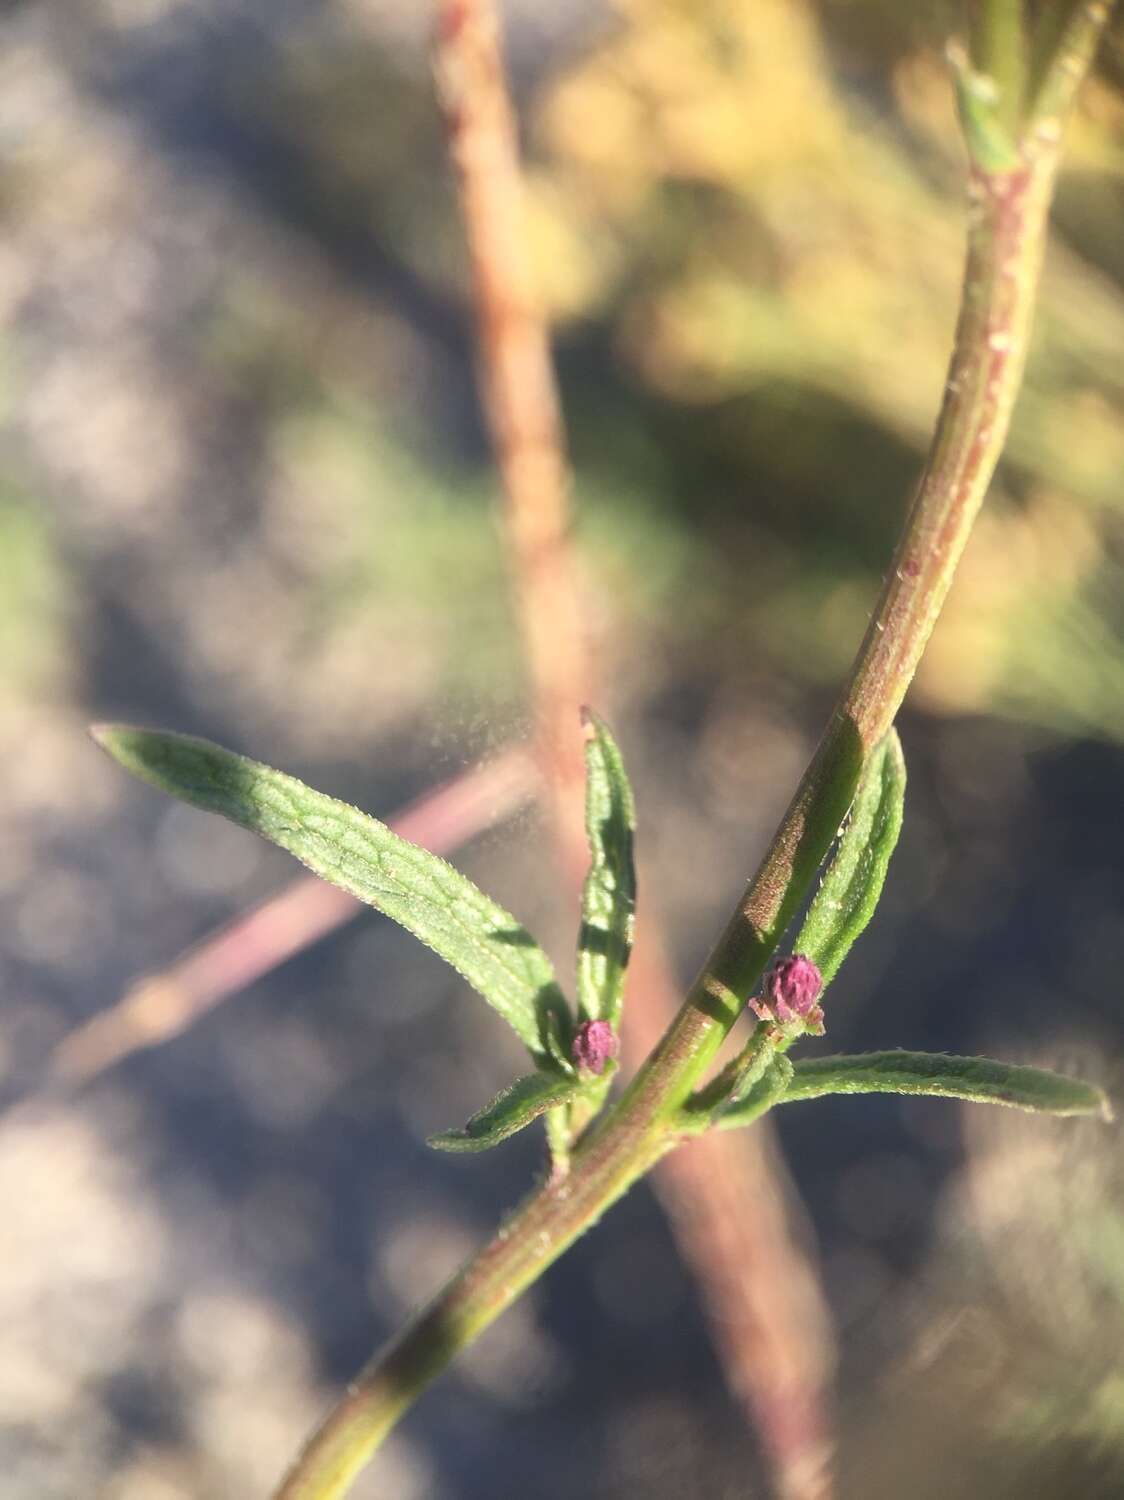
779, 249
748, 221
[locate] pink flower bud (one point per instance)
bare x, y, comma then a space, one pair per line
790, 990
595, 1042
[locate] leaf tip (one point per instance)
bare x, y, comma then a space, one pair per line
115, 739
450, 1140
124, 743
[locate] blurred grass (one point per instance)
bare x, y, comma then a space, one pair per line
783, 251
749, 223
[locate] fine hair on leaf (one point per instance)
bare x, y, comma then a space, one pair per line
936, 1074
510, 1111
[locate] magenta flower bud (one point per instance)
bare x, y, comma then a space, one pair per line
792, 986
595, 1042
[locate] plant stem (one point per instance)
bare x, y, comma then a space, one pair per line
775, 1351
1006, 228
1062, 57
999, 51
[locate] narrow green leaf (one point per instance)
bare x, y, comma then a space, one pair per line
484, 943
609, 896
512, 1109
934, 1073
1064, 45
849, 892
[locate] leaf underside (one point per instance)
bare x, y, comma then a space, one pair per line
510, 1111
849, 892
417, 889
935, 1074
609, 894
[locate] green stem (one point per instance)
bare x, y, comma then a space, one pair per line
999, 52
550, 1219
1062, 57
1006, 228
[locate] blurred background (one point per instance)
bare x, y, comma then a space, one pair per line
246, 493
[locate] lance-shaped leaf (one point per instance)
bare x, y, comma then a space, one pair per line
512, 1109
846, 899
934, 1073
609, 895
423, 893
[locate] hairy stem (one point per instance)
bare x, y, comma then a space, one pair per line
1006, 225
1006, 230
